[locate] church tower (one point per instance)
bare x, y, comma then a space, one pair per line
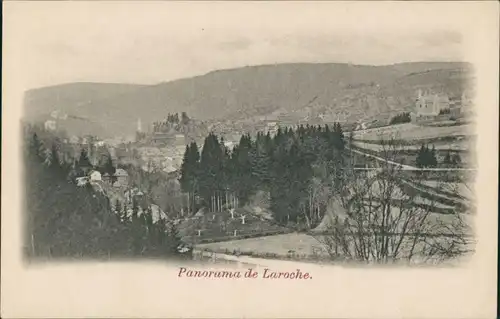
139, 125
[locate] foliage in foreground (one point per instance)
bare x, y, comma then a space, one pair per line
66, 221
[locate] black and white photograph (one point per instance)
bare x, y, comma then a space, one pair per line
218, 142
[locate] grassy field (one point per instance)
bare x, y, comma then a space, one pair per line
461, 189
221, 226
305, 246
454, 146
301, 244
411, 131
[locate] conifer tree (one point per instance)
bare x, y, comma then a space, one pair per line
84, 161
432, 157
421, 160
174, 238
210, 175
456, 160
54, 161
190, 174
36, 146
259, 161
108, 166
447, 159
119, 210
243, 168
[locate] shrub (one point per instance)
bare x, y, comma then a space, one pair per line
404, 117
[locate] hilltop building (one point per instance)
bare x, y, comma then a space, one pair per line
271, 127
431, 104
161, 139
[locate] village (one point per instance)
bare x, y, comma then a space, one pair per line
160, 150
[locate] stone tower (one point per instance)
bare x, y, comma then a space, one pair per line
139, 125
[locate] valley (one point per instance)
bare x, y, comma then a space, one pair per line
289, 162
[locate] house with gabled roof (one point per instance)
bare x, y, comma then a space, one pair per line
121, 177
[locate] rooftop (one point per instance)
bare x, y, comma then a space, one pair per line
121, 172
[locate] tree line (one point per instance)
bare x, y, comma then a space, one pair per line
427, 158
171, 121
291, 166
404, 117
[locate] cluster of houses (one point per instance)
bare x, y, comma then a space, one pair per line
119, 179
163, 134
430, 105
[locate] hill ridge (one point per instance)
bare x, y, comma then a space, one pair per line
248, 93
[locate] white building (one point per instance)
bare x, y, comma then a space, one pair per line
50, 125
95, 176
431, 104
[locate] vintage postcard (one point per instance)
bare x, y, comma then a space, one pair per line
249, 159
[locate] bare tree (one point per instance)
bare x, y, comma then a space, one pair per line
375, 215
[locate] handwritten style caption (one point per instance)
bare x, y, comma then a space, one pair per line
248, 274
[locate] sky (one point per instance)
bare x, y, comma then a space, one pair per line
151, 42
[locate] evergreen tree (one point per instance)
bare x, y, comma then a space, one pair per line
456, 160
108, 166
426, 157
36, 147
119, 210
190, 174
447, 159
421, 157
174, 238
211, 181
84, 161
242, 159
55, 162
337, 138
185, 118
259, 161
432, 157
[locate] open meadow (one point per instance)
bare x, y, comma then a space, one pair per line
411, 131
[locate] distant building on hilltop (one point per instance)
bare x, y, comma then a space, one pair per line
161, 139
271, 127
428, 105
